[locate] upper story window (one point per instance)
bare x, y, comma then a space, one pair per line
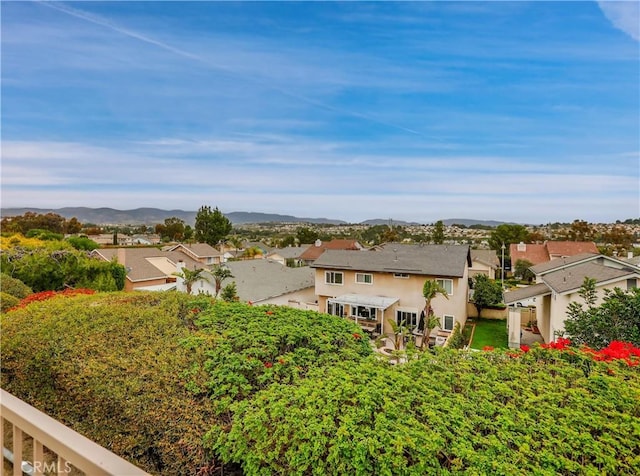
447, 284
333, 277
401, 275
364, 278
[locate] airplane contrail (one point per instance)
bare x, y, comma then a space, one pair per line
81, 14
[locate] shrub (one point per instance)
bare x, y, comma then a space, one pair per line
7, 301
499, 412
14, 287
112, 367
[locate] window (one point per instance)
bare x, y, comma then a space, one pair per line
364, 278
332, 277
447, 284
448, 322
335, 309
409, 318
401, 275
364, 312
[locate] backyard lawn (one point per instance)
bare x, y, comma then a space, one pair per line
490, 332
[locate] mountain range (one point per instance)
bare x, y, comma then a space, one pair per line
152, 216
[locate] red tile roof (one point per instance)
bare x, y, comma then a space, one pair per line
313, 252
536, 253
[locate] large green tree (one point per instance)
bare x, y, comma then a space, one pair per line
507, 234
211, 226
173, 229
486, 292
617, 318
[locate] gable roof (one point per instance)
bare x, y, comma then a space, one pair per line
526, 292
315, 250
569, 279
199, 250
540, 253
257, 280
429, 260
144, 264
488, 257
567, 275
562, 262
288, 252
570, 248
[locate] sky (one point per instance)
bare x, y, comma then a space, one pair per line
516, 111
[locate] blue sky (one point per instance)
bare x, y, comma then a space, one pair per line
515, 111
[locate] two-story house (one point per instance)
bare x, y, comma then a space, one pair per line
376, 286
558, 283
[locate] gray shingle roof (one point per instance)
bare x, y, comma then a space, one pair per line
430, 260
519, 294
290, 251
138, 265
488, 257
260, 279
569, 279
560, 262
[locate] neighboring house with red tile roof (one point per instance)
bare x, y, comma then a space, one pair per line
549, 250
314, 251
558, 283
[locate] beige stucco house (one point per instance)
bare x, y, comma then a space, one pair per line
484, 262
147, 268
203, 253
375, 286
559, 281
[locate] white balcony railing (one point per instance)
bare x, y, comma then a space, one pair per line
72, 450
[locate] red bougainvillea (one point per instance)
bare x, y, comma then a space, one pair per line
44, 295
615, 351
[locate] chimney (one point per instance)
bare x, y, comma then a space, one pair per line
521, 247
629, 254
121, 255
318, 243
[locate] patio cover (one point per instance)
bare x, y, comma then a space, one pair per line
379, 302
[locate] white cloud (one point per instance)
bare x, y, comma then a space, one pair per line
624, 15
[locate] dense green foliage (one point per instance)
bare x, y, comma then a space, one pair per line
112, 367
211, 226
616, 318
7, 301
473, 413
486, 292
521, 270
83, 243
178, 384
61, 266
14, 287
506, 234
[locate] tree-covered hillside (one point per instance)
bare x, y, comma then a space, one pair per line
181, 385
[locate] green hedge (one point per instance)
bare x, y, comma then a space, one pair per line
495, 413
14, 287
179, 385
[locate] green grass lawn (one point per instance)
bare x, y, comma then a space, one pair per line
491, 332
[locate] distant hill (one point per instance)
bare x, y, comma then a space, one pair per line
152, 216
470, 221
388, 221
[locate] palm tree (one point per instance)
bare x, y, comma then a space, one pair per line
220, 273
430, 291
190, 277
